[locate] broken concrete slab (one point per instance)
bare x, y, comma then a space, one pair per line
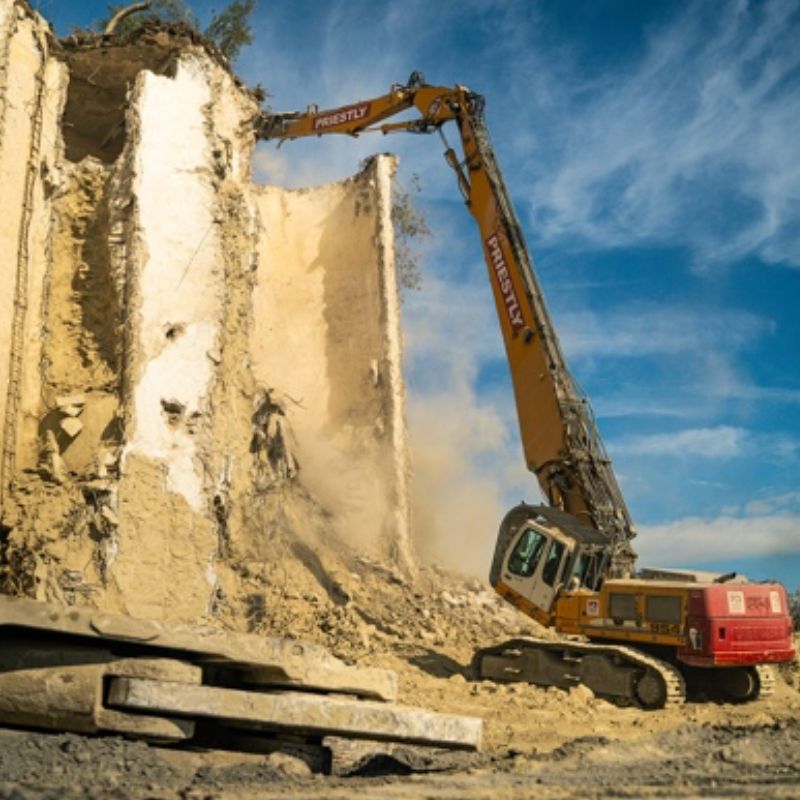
267, 661
298, 712
369, 758
77, 670
70, 697
72, 426
72, 405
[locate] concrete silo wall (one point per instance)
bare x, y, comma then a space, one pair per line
194, 370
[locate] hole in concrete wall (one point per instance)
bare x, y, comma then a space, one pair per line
83, 309
101, 78
172, 332
173, 410
255, 610
93, 284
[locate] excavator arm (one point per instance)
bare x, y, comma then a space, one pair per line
560, 440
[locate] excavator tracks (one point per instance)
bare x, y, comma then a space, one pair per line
622, 675
734, 684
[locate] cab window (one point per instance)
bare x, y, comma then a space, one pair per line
579, 568
588, 571
552, 564
526, 554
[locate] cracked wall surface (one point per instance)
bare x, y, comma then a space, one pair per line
196, 374
327, 323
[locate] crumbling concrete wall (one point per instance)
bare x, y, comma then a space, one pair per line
326, 331
194, 369
31, 96
181, 158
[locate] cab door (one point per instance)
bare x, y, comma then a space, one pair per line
534, 564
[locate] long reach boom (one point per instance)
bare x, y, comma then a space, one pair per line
650, 639
560, 440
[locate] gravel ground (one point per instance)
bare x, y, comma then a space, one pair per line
691, 760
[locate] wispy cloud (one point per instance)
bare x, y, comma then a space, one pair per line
780, 503
689, 142
725, 379
693, 144
695, 356
649, 329
721, 442
694, 540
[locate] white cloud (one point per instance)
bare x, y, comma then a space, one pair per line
785, 502
694, 144
650, 329
693, 356
724, 379
721, 442
636, 403
694, 540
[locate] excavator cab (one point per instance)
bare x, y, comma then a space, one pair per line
535, 562
541, 552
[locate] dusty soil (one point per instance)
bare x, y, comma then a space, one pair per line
722, 760
546, 741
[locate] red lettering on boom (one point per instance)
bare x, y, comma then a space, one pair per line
504, 283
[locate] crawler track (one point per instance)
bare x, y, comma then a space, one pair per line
623, 675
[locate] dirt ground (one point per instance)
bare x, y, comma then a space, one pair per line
544, 741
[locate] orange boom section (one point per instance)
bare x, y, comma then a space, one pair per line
560, 441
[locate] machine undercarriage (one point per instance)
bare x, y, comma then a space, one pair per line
619, 674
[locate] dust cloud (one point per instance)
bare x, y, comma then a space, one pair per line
460, 453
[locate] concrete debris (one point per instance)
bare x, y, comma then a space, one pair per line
360, 758
295, 711
75, 683
120, 15
271, 442
52, 465
72, 405
72, 696
71, 426
109, 516
264, 661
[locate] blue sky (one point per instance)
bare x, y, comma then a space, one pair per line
653, 155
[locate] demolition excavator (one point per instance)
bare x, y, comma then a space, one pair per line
641, 638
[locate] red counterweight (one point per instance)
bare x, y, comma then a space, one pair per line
734, 624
